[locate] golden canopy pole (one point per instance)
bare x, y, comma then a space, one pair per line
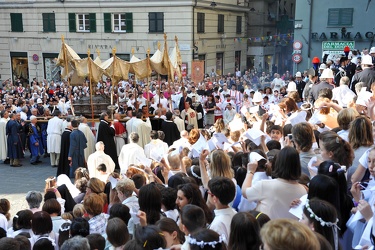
148, 82
66, 70
112, 108
90, 72
135, 91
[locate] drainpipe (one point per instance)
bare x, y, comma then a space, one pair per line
195, 5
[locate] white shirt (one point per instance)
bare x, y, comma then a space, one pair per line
343, 95
222, 221
97, 158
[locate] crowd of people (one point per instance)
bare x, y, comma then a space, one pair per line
242, 161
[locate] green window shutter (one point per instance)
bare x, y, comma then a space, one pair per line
107, 23
92, 17
72, 22
129, 22
16, 22
49, 22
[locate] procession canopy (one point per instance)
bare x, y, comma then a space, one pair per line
77, 69
141, 68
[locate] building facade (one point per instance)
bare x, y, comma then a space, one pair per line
270, 32
30, 32
324, 27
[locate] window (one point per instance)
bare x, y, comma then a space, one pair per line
156, 22
200, 22
220, 23
237, 59
118, 22
49, 22
125, 57
82, 22
16, 22
239, 25
340, 17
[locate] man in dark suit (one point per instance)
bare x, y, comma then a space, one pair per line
367, 75
300, 84
106, 133
184, 99
170, 129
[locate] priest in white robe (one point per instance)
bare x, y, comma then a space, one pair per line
155, 145
89, 137
97, 158
3, 135
129, 123
54, 131
143, 129
130, 152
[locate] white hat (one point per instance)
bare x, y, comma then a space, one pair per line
327, 73
257, 97
298, 74
291, 86
39, 101
322, 66
32, 117
372, 50
366, 60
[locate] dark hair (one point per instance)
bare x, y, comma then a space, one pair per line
276, 127
360, 132
52, 206
325, 93
341, 150
192, 217
168, 198
260, 217
74, 123
121, 211
338, 175
41, 223
64, 233
223, 188
327, 213
273, 144
117, 232
169, 115
150, 237
287, 165
79, 226
149, 200
43, 244
96, 241
195, 173
244, 232
3, 233
139, 180
154, 134
22, 220
7, 243
170, 226
133, 244
303, 136
24, 242
102, 167
194, 196
207, 235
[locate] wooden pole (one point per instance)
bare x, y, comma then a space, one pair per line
113, 77
90, 73
66, 70
148, 82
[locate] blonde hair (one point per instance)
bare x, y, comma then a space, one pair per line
125, 186
78, 210
281, 234
220, 164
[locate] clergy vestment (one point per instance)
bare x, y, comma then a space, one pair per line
78, 143
180, 123
54, 131
3, 139
156, 145
128, 155
95, 160
129, 125
63, 167
86, 130
190, 117
106, 134
143, 129
120, 135
171, 132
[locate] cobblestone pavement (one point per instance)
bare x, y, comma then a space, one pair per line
16, 182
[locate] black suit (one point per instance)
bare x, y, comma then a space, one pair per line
106, 134
171, 132
367, 76
181, 106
